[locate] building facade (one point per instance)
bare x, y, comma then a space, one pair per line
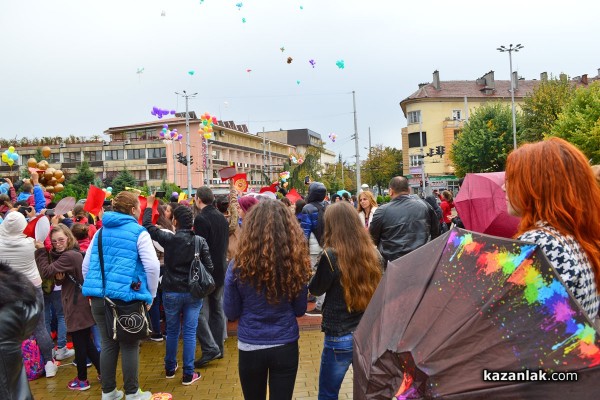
302, 140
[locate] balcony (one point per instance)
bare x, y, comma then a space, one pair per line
157, 161
453, 123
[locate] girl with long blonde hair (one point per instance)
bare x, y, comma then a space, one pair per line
348, 272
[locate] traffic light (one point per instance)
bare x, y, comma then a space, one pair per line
191, 160
430, 154
440, 150
181, 158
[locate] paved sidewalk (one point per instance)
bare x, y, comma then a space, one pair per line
219, 379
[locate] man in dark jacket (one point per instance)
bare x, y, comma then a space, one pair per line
404, 224
311, 220
19, 314
214, 228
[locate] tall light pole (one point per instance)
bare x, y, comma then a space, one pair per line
509, 50
187, 139
356, 146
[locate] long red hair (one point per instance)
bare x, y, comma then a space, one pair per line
552, 181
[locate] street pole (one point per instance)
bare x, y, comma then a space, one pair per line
262, 179
356, 145
187, 140
422, 158
509, 50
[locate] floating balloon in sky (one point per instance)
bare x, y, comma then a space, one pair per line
239, 6
302, 7
206, 125
244, 20
289, 60
312, 62
163, 13
297, 82
191, 72
282, 49
248, 70
340, 64
159, 112
332, 136
140, 71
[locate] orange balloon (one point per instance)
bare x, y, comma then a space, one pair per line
61, 179
43, 165
59, 188
46, 151
49, 173
58, 174
50, 189
32, 162
52, 181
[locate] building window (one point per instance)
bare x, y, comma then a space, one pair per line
158, 174
113, 155
139, 175
92, 155
457, 115
160, 152
216, 154
72, 157
53, 158
414, 160
414, 140
414, 117
136, 154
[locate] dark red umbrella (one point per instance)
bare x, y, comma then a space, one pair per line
465, 303
481, 204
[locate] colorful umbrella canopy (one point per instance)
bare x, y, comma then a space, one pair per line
481, 204
467, 302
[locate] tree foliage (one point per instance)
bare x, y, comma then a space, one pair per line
485, 140
579, 122
381, 166
123, 179
542, 107
310, 166
78, 184
332, 177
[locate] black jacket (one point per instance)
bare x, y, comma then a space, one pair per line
403, 225
337, 320
179, 253
212, 225
19, 314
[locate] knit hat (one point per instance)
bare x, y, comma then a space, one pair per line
14, 224
246, 202
184, 217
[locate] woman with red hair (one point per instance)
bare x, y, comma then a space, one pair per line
551, 186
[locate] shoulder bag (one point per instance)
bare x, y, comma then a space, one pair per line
201, 282
125, 321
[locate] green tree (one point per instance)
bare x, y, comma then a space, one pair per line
485, 140
580, 121
122, 180
542, 107
381, 166
78, 184
310, 166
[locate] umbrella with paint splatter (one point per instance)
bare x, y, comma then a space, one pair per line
465, 303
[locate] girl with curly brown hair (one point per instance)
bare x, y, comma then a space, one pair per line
265, 288
348, 272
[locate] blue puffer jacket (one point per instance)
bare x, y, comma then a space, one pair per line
122, 264
259, 321
309, 218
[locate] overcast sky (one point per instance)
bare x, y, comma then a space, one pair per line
70, 66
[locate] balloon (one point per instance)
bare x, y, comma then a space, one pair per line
32, 162
5, 157
289, 60
14, 156
172, 112
11, 149
282, 49
61, 179
244, 20
191, 73
46, 151
312, 62
297, 82
50, 189
207, 135
10, 162
58, 174
43, 165
340, 64
52, 181
59, 188
49, 173
179, 137
239, 6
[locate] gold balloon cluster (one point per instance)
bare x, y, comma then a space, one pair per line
52, 179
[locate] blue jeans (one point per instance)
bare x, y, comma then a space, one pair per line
335, 360
53, 301
174, 305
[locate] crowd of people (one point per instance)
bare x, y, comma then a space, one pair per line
268, 259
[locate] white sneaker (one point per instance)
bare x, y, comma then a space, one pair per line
63, 353
139, 395
114, 395
51, 369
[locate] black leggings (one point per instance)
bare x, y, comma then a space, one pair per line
84, 349
277, 364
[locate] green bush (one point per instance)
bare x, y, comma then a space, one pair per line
387, 199
379, 199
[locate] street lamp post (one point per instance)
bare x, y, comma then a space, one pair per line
509, 50
187, 139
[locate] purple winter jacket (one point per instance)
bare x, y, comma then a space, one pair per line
260, 322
